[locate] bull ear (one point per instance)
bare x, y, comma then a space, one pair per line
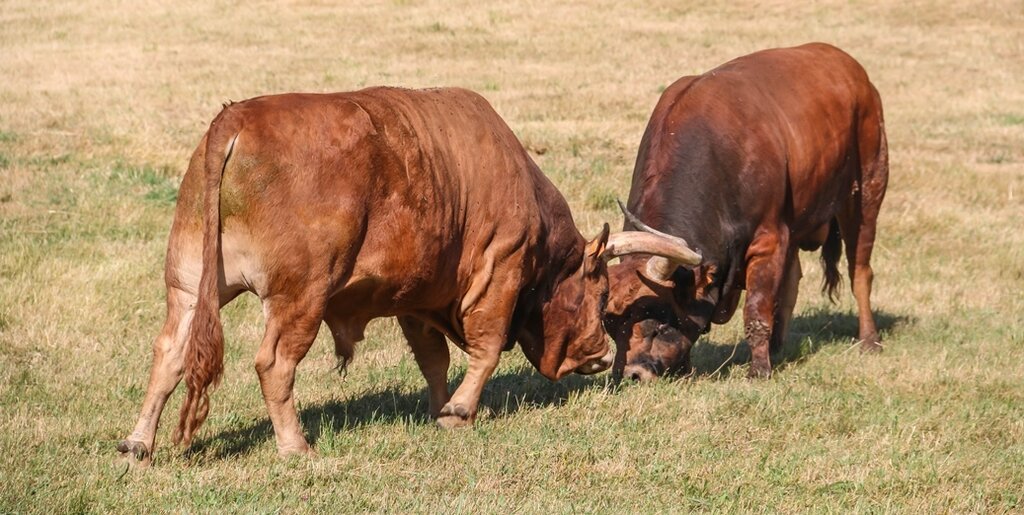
595, 249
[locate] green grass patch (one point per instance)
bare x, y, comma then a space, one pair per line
1011, 119
158, 184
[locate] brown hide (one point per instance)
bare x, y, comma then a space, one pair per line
771, 152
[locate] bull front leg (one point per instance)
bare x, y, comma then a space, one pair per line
461, 410
766, 261
486, 326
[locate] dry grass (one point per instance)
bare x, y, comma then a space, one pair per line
100, 105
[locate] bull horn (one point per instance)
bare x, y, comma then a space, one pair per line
668, 251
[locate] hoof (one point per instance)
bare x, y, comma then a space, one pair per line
871, 346
296, 450
135, 452
453, 416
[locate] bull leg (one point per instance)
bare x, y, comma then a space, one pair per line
859, 221
486, 327
859, 241
431, 352
164, 376
766, 259
859, 236
291, 328
461, 410
786, 303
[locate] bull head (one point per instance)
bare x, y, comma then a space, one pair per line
571, 322
651, 300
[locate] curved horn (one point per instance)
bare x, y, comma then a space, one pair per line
669, 251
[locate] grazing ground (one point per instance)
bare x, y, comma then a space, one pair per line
101, 103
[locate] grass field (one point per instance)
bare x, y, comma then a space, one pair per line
102, 102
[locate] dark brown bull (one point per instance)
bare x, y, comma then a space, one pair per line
772, 152
384, 202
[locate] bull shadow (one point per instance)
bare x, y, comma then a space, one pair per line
522, 388
809, 332
504, 395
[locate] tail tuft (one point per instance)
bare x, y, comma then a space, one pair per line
204, 365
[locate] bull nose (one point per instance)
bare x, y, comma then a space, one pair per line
638, 373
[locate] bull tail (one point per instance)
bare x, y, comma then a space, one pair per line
830, 252
204, 355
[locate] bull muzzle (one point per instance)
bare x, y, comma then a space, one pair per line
639, 373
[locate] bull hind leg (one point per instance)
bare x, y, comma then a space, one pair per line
431, 352
292, 325
766, 259
164, 376
860, 219
859, 241
786, 302
182, 273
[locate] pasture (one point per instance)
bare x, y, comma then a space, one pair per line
102, 103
